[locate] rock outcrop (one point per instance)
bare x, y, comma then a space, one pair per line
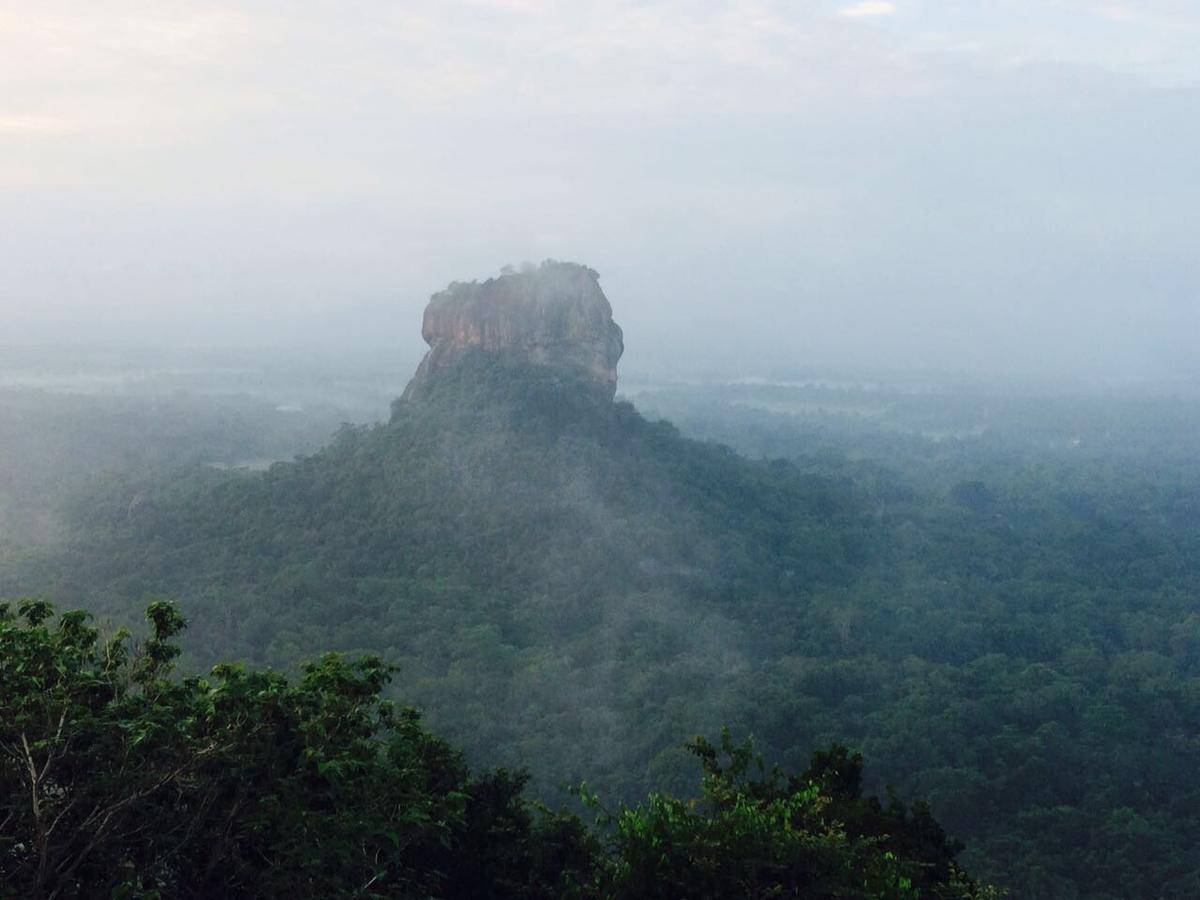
553, 316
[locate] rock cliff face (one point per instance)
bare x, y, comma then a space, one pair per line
553, 316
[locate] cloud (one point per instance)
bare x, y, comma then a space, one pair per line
10, 124
868, 9
872, 180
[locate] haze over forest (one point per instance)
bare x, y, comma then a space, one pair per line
994, 187
777, 420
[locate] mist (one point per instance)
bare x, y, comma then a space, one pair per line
737, 410
908, 185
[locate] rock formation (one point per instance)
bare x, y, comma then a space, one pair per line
553, 316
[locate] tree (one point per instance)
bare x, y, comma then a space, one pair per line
117, 779
757, 833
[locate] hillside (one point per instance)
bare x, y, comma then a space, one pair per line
568, 586
539, 555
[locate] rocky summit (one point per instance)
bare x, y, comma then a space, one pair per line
554, 316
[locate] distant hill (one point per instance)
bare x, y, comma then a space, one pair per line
525, 548
570, 587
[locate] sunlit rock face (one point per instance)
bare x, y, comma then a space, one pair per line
553, 316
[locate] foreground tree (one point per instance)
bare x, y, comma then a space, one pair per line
760, 833
119, 780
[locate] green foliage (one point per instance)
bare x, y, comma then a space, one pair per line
759, 834
1003, 620
118, 780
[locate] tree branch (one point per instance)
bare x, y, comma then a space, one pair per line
106, 815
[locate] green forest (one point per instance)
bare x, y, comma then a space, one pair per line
600, 450
1002, 621
118, 780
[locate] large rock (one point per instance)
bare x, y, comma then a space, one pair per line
553, 316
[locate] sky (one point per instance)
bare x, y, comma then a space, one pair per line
993, 186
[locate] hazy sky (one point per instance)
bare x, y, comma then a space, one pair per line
1001, 185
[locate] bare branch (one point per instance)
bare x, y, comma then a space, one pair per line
50, 754
58, 818
108, 813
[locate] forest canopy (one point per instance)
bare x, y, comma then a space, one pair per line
119, 779
1004, 623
